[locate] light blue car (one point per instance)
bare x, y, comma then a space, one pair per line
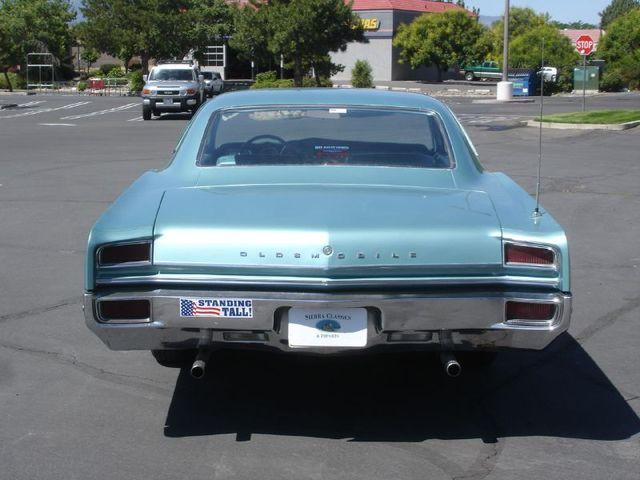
326, 221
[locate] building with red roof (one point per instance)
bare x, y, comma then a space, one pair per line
573, 35
381, 19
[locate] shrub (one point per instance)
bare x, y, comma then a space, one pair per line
612, 81
311, 82
361, 75
107, 67
115, 72
82, 86
135, 66
17, 81
135, 81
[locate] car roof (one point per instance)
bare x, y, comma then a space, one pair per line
175, 66
324, 96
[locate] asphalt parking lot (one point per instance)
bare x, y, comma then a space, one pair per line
71, 408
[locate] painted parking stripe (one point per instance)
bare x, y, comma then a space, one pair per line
136, 119
101, 112
45, 110
31, 104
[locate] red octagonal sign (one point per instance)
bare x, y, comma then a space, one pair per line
584, 44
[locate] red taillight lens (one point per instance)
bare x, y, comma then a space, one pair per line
118, 310
127, 253
521, 254
529, 311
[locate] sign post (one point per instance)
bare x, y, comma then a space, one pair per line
584, 46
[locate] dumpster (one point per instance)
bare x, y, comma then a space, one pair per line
524, 82
591, 76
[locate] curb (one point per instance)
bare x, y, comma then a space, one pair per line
582, 126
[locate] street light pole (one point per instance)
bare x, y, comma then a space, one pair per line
504, 91
505, 43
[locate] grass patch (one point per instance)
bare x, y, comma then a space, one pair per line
594, 117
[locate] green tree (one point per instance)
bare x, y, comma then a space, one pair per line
521, 20
620, 48
441, 39
304, 31
616, 9
153, 28
576, 25
525, 52
33, 26
251, 35
207, 22
90, 56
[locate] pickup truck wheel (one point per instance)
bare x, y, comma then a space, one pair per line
155, 113
174, 358
146, 113
469, 76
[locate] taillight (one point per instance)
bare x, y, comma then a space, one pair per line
124, 310
124, 253
515, 254
529, 311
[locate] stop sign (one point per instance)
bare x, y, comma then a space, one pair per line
584, 44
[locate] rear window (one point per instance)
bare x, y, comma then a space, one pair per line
171, 74
325, 136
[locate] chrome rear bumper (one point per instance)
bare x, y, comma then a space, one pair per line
467, 320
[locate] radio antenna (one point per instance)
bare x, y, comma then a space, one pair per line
536, 212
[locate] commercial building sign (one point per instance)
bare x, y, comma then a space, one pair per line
370, 24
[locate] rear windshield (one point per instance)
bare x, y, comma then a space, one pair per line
171, 74
325, 136
207, 75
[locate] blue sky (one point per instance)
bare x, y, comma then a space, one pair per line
561, 10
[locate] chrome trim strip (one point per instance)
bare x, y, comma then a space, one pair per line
200, 279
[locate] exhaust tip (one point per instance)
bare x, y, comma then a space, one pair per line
198, 369
453, 368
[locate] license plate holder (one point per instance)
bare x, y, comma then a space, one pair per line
327, 327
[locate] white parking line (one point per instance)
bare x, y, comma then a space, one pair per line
471, 118
45, 110
58, 124
137, 119
101, 112
31, 104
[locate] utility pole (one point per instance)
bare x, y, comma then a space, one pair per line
505, 87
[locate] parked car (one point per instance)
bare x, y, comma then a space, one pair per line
325, 221
550, 74
213, 83
172, 87
484, 71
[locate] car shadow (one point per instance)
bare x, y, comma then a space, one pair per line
174, 116
559, 392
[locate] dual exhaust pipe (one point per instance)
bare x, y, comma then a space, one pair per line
450, 364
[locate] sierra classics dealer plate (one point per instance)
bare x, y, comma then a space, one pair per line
327, 327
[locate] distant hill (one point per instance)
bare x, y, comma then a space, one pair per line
489, 19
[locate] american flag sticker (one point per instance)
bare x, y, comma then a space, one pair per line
216, 307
